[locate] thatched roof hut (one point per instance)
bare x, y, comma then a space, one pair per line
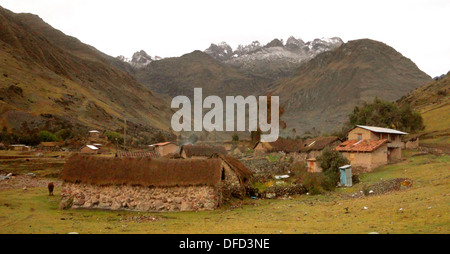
281, 145
146, 172
238, 167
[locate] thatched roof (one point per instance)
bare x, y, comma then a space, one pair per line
241, 170
141, 171
202, 150
319, 143
137, 154
51, 144
282, 145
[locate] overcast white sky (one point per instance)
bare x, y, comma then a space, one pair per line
416, 28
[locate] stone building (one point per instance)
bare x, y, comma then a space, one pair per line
146, 184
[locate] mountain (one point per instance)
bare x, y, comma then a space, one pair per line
275, 59
322, 92
180, 75
433, 102
140, 59
48, 78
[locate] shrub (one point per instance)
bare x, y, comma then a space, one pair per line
114, 137
46, 136
330, 161
235, 137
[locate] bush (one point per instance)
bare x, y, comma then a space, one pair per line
330, 161
114, 137
46, 136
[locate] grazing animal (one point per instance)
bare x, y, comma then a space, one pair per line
50, 186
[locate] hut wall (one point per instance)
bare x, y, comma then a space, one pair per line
137, 198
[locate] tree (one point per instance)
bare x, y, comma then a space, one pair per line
387, 114
330, 161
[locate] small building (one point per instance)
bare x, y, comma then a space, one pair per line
365, 155
94, 134
165, 148
201, 151
393, 137
281, 145
90, 149
313, 166
51, 146
313, 147
346, 175
20, 147
151, 185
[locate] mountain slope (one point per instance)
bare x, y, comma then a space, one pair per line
325, 90
433, 102
180, 75
46, 74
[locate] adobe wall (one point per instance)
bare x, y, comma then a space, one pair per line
136, 198
366, 134
366, 162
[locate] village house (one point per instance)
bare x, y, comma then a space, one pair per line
94, 134
153, 185
369, 147
201, 151
394, 138
164, 148
20, 147
51, 146
281, 145
365, 155
90, 149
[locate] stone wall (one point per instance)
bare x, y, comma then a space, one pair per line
136, 198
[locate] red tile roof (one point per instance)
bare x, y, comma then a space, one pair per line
360, 146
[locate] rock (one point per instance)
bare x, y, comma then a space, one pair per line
271, 195
31, 175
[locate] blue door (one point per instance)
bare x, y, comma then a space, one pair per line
343, 178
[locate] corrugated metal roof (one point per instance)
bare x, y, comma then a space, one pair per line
382, 130
161, 144
92, 147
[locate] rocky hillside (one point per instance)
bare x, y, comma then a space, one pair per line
49, 78
325, 90
275, 59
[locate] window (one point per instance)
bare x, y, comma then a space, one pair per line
359, 136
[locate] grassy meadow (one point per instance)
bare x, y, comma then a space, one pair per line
423, 208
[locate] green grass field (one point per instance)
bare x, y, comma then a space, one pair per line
423, 208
